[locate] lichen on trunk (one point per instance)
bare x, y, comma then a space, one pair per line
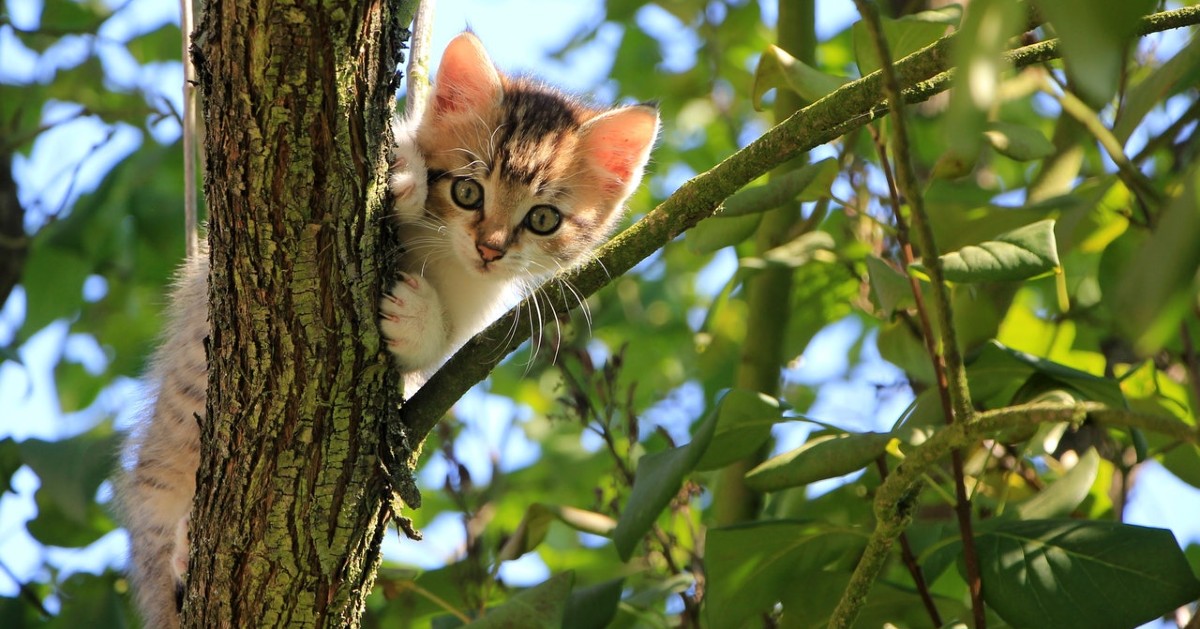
291, 504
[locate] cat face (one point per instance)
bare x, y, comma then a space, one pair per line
524, 181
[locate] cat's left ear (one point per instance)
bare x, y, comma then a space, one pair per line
467, 80
616, 145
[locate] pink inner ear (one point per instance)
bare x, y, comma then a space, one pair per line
619, 143
466, 78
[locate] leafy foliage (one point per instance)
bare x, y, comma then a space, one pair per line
1068, 239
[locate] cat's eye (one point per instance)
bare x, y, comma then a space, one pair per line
467, 193
543, 220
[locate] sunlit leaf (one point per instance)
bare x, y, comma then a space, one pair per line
659, 478
1015, 255
1063, 495
984, 35
1017, 141
999, 368
1184, 462
779, 70
1176, 73
827, 456
904, 36
1094, 43
1053, 573
1158, 285
890, 287
744, 421
808, 183
161, 44
793, 254
536, 524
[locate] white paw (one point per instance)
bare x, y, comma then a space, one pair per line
408, 178
413, 323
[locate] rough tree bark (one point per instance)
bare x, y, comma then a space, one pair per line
291, 506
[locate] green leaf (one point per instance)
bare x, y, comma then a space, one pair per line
60, 18
827, 456
744, 421
887, 605
1018, 141
1065, 494
900, 345
1157, 287
53, 281
1175, 74
904, 36
978, 47
890, 287
997, 373
1094, 43
71, 470
593, 607
55, 527
1016, 255
94, 601
793, 254
1184, 462
161, 44
77, 387
10, 462
712, 234
543, 605
778, 69
1071, 573
70, 15
534, 526
751, 566
961, 213
659, 477
808, 183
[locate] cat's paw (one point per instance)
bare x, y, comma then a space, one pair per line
413, 324
408, 176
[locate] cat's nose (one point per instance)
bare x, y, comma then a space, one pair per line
489, 254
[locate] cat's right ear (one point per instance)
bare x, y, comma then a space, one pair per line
467, 79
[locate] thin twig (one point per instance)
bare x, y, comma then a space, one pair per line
948, 367
190, 218
418, 60
910, 561
26, 592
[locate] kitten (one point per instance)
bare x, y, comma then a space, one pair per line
501, 183
522, 182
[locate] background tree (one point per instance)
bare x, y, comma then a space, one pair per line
1055, 197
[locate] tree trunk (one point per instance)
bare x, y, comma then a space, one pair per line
291, 505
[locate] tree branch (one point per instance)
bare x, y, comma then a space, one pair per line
896, 497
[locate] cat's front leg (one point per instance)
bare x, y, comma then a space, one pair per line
408, 176
413, 323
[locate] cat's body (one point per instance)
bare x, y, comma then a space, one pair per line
500, 184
